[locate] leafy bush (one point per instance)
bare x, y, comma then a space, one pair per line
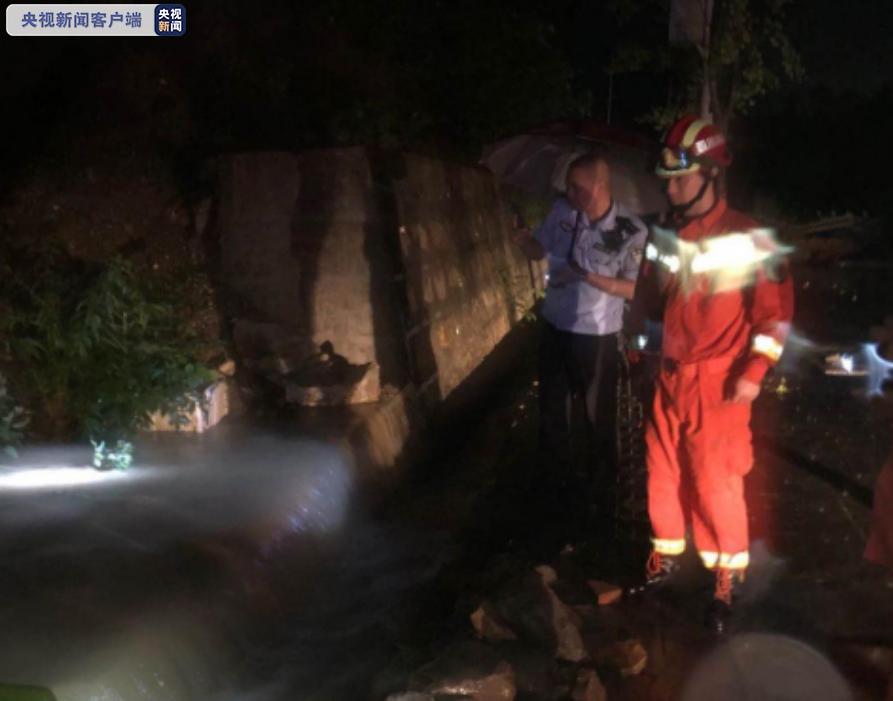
96, 347
13, 420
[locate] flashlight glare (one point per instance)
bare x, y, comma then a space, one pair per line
879, 370
49, 477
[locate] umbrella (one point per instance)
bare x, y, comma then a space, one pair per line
537, 161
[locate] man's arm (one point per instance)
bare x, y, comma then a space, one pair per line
623, 286
536, 245
617, 287
649, 298
771, 311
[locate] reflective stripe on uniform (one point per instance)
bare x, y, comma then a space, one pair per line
670, 262
651, 252
768, 346
729, 252
727, 561
668, 546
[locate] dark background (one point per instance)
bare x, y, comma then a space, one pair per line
438, 77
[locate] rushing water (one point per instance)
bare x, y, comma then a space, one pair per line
230, 565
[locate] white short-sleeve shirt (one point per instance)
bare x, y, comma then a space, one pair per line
611, 246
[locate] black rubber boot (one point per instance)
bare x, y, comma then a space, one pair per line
659, 571
719, 613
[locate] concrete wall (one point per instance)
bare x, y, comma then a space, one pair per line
466, 282
303, 262
399, 261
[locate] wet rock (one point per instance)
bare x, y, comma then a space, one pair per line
547, 574
497, 686
589, 687
586, 612
629, 657
467, 670
539, 616
564, 621
227, 368
489, 625
537, 674
605, 592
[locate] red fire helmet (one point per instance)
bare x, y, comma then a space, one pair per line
689, 144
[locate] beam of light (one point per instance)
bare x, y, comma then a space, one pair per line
797, 341
55, 477
800, 351
320, 504
879, 370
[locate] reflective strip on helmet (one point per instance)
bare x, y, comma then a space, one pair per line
675, 162
768, 346
662, 172
700, 147
726, 561
673, 159
688, 138
668, 546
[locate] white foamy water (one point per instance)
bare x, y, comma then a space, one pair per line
223, 566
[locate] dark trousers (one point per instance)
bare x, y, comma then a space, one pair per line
582, 367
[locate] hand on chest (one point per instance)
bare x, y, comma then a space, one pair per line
600, 251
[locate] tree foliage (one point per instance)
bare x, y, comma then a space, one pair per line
95, 348
750, 54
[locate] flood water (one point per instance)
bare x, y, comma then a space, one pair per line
231, 565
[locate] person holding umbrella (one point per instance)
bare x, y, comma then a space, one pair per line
593, 246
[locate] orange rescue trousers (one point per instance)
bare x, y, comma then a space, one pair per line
699, 449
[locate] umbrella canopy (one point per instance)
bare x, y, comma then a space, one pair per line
537, 161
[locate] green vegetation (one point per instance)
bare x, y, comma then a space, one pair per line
95, 348
13, 420
748, 54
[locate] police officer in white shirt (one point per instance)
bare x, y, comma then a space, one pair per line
593, 246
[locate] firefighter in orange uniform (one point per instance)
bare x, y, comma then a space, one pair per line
720, 286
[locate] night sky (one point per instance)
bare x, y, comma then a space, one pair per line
845, 45
438, 77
